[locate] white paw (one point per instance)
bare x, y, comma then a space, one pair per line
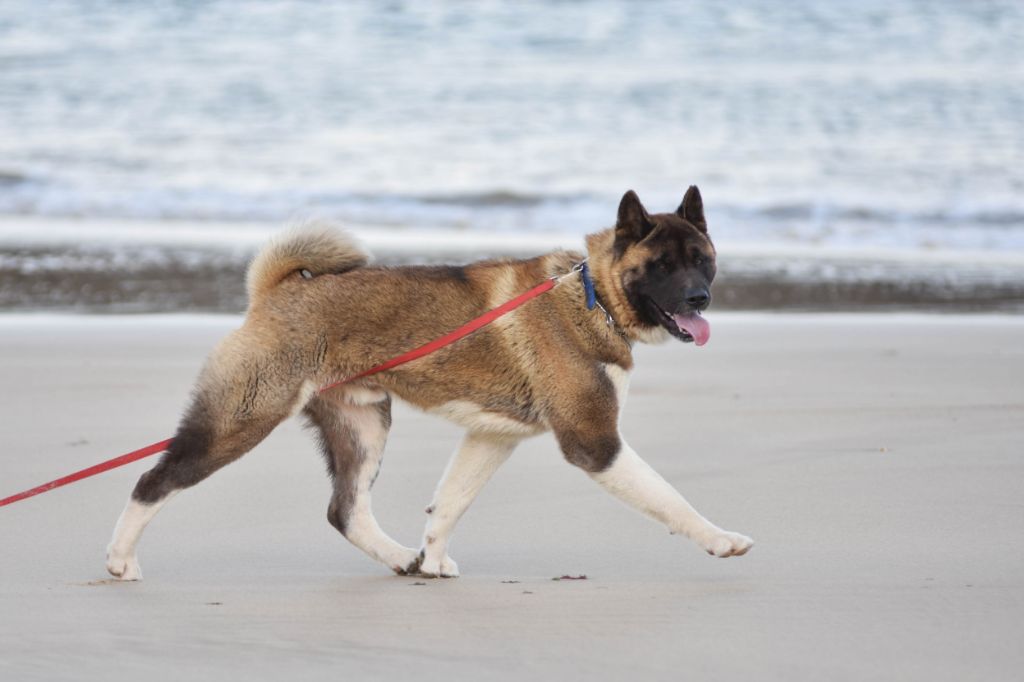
404, 561
123, 566
725, 544
431, 567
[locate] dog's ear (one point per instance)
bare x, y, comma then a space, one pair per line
692, 209
634, 223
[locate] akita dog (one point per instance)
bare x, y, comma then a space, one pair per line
318, 313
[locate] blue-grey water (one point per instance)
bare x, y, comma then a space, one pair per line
890, 123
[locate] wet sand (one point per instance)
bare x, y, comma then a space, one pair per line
155, 267
877, 461
157, 280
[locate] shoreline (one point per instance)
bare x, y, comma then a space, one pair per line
132, 267
204, 282
44, 318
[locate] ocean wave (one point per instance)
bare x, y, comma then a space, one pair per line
892, 124
497, 198
820, 222
10, 178
822, 210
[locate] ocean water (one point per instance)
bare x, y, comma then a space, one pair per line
890, 124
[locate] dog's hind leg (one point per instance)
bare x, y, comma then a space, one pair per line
353, 427
197, 450
236, 405
472, 465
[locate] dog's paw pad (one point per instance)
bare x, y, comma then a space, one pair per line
124, 567
726, 544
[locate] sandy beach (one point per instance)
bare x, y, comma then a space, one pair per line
859, 410
876, 461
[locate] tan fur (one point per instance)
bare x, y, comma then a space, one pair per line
550, 365
315, 246
519, 368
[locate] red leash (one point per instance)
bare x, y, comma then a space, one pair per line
425, 349
91, 471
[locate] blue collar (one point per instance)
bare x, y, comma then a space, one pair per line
588, 286
592, 302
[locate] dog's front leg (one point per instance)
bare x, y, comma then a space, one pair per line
633, 481
587, 431
472, 465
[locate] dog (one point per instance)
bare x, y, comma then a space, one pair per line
319, 312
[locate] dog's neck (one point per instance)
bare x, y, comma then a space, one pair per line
608, 284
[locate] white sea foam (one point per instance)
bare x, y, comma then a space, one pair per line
885, 124
112, 235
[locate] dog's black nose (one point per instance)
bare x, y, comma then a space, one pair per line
698, 297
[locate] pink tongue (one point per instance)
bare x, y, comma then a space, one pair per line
694, 325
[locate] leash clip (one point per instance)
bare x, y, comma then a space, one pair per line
578, 267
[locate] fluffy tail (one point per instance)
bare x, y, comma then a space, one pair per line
316, 246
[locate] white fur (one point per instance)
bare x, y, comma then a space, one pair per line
472, 465
122, 561
620, 380
633, 481
362, 529
477, 419
363, 395
306, 393
650, 335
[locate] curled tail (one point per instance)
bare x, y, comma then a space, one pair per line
316, 246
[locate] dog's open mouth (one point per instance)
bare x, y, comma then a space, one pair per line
687, 327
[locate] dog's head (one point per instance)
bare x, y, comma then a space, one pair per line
666, 263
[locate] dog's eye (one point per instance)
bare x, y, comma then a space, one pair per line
699, 259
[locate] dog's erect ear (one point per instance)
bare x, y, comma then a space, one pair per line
692, 209
633, 224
